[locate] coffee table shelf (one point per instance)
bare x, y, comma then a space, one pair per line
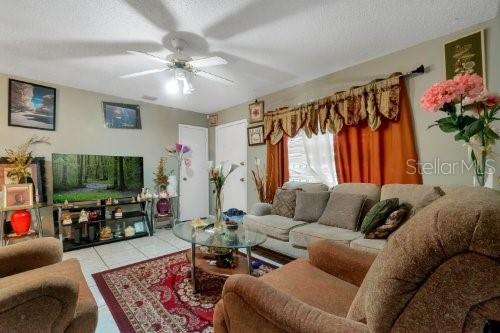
221, 238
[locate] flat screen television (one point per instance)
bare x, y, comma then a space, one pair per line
93, 177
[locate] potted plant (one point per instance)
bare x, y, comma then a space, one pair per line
469, 114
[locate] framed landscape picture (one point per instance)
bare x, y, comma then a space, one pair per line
256, 135
117, 115
32, 105
256, 112
466, 55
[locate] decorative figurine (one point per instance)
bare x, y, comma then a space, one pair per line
66, 203
132, 200
66, 218
109, 201
139, 199
129, 231
116, 202
105, 233
98, 203
66, 224
92, 215
118, 212
83, 216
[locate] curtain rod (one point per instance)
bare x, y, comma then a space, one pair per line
417, 71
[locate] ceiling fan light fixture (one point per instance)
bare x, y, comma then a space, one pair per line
172, 86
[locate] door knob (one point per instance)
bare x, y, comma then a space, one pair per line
184, 179
242, 179
242, 163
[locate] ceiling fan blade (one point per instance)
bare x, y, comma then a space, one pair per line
151, 56
207, 62
214, 77
150, 71
156, 13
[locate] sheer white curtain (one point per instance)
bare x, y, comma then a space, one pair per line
312, 160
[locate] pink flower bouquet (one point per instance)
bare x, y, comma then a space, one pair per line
470, 114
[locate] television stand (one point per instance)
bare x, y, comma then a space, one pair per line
133, 223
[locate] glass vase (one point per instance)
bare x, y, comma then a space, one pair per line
219, 220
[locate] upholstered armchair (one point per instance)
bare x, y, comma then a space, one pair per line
440, 272
41, 293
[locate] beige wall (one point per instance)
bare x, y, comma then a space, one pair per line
80, 128
432, 144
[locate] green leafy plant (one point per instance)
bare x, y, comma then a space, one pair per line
21, 158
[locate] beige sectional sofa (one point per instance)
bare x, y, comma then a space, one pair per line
292, 238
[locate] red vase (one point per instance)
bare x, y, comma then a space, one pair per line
21, 221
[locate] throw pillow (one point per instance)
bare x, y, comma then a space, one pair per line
427, 199
378, 213
393, 221
343, 210
310, 205
284, 203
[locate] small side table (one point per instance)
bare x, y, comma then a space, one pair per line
35, 228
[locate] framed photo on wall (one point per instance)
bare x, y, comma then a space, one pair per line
255, 135
212, 120
466, 55
17, 196
117, 115
32, 105
256, 112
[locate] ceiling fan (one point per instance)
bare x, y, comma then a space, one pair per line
183, 68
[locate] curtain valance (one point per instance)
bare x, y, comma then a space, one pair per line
373, 102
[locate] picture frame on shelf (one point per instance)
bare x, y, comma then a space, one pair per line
465, 55
17, 196
31, 105
256, 112
122, 116
255, 135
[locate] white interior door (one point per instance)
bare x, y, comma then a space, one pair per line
231, 147
194, 179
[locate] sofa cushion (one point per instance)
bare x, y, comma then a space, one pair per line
313, 286
306, 187
284, 203
368, 245
310, 205
343, 210
272, 225
378, 214
418, 196
303, 235
372, 192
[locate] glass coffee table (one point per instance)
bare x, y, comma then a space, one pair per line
226, 239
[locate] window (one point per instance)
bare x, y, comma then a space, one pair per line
312, 160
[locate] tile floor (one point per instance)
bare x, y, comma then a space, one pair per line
104, 257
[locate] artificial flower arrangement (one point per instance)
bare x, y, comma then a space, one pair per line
218, 176
178, 151
470, 113
21, 158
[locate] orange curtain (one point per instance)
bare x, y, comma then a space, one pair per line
277, 166
381, 156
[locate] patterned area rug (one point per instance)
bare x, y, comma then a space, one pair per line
156, 295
